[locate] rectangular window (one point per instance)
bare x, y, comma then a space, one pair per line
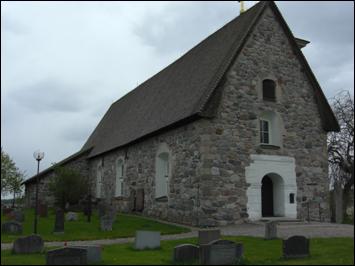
264, 132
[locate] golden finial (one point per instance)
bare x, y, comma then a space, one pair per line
242, 9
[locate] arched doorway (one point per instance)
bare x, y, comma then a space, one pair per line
272, 196
267, 197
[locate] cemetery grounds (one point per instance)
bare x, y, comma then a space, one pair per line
257, 251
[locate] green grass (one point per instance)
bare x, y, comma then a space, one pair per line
330, 251
125, 226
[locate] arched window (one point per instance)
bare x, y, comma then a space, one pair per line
269, 90
119, 177
270, 128
162, 175
99, 180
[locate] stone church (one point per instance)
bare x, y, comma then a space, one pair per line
235, 130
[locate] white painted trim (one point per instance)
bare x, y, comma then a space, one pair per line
119, 178
271, 165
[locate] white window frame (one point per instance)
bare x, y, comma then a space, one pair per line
261, 129
99, 175
120, 173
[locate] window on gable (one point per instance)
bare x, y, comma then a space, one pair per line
264, 132
269, 90
119, 177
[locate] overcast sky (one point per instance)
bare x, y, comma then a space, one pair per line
64, 63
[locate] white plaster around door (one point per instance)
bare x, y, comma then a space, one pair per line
283, 168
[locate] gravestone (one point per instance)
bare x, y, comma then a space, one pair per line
28, 245
59, 221
185, 253
43, 210
101, 209
207, 236
11, 227
139, 200
93, 253
295, 247
270, 230
106, 222
221, 252
67, 256
18, 216
71, 216
7, 211
147, 240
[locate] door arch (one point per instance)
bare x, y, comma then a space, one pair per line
272, 196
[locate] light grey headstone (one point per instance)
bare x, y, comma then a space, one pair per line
93, 253
71, 216
185, 253
221, 252
147, 240
270, 230
106, 223
11, 227
207, 236
28, 245
67, 256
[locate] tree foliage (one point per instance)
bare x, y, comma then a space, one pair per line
341, 149
68, 186
11, 176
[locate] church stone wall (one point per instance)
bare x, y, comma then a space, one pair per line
230, 139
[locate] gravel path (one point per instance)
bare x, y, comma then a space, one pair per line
253, 229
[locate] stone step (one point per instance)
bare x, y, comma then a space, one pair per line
281, 220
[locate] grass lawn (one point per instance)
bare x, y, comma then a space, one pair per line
330, 251
125, 226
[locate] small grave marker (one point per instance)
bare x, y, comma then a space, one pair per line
28, 245
295, 247
147, 240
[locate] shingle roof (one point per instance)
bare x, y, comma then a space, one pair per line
182, 89
175, 93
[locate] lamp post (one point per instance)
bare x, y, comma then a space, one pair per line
38, 156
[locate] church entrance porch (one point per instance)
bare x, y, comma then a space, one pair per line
272, 187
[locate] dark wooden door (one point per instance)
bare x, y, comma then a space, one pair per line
267, 197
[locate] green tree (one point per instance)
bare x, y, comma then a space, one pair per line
68, 186
11, 177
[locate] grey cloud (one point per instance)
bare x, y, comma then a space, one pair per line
181, 25
49, 95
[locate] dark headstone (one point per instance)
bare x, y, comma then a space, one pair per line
18, 216
147, 240
140, 200
295, 247
59, 221
132, 200
11, 227
43, 210
101, 209
270, 230
93, 253
6, 210
28, 245
185, 253
106, 222
67, 256
221, 252
207, 236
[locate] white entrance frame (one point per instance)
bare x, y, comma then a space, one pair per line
281, 170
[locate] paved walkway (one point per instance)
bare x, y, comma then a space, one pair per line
253, 229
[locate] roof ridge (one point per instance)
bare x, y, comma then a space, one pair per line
229, 58
210, 36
